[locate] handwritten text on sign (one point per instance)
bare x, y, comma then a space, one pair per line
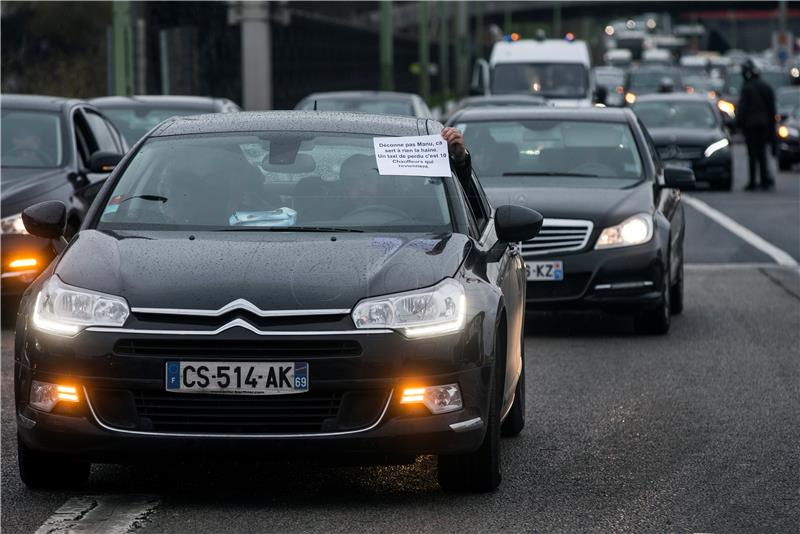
423, 155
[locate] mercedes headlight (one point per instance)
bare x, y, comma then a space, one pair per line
13, 224
66, 310
632, 231
785, 132
715, 147
432, 311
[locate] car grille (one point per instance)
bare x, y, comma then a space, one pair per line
194, 413
255, 349
558, 235
681, 152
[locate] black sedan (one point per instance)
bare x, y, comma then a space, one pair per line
688, 131
136, 115
613, 232
252, 284
789, 140
381, 102
52, 149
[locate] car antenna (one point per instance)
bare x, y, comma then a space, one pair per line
315, 105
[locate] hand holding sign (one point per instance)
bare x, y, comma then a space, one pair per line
455, 143
423, 155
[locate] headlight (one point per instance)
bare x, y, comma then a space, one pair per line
632, 231
13, 224
66, 310
785, 132
726, 107
630, 98
715, 146
433, 311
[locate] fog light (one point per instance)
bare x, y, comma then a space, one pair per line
44, 395
23, 262
438, 399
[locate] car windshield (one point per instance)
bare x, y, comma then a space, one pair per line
775, 79
362, 105
271, 181
609, 78
134, 122
674, 114
787, 100
650, 81
550, 80
32, 139
553, 148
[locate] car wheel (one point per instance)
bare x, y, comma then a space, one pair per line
784, 164
657, 320
676, 293
515, 420
41, 470
478, 471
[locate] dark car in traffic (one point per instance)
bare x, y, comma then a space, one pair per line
52, 149
379, 102
482, 101
650, 79
689, 131
250, 284
613, 230
788, 139
136, 115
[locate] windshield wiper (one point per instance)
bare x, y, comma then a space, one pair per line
153, 198
538, 173
290, 229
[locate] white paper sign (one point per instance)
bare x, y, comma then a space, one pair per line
420, 155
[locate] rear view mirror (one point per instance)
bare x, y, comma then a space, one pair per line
517, 223
601, 94
678, 177
45, 219
104, 161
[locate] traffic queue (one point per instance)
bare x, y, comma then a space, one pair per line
351, 276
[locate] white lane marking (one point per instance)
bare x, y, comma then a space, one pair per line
739, 267
780, 256
100, 514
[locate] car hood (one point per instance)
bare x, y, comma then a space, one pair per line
685, 136
558, 198
274, 271
22, 184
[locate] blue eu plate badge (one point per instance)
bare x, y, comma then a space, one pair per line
173, 375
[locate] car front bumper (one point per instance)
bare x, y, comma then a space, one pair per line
109, 424
618, 279
789, 150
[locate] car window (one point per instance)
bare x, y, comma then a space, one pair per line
32, 139
103, 135
362, 105
558, 149
676, 114
651, 146
272, 179
134, 122
550, 80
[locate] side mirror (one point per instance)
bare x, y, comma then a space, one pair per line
678, 177
517, 223
601, 94
46, 219
104, 161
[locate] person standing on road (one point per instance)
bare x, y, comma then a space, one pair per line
756, 118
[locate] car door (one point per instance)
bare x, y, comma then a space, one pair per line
507, 271
93, 133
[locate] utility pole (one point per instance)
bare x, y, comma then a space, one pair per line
462, 51
256, 53
478, 10
556, 21
424, 52
444, 48
387, 46
506, 18
122, 47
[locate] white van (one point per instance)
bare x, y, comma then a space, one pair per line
559, 70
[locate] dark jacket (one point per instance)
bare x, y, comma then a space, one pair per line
756, 108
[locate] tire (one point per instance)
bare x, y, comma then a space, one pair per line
657, 320
478, 471
515, 420
676, 293
41, 470
784, 164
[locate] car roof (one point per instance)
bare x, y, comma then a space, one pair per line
154, 100
544, 51
673, 97
42, 102
501, 99
310, 121
530, 112
352, 95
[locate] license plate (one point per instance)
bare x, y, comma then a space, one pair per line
545, 271
242, 378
